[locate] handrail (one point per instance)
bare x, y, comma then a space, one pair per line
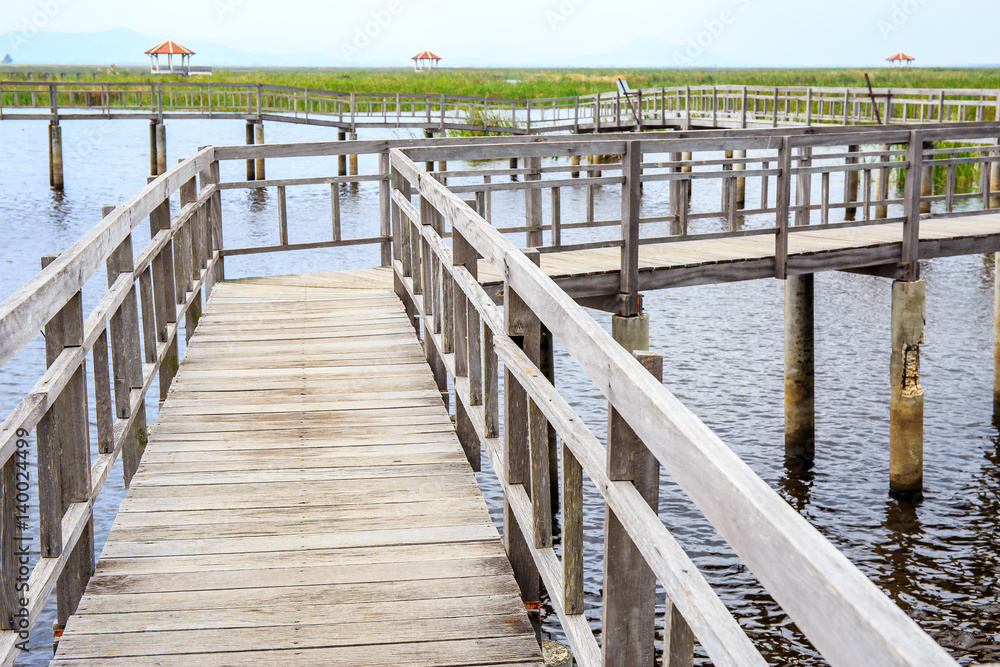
722, 105
827, 596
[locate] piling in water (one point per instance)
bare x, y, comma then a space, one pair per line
906, 406
800, 394
251, 171
353, 159
55, 156
161, 149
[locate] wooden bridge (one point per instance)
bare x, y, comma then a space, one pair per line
304, 472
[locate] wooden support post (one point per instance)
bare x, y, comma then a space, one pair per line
127, 358
994, 176
676, 197
384, 218
881, 186
533, 205
724, 206
741, 181
152, 148
282, 216
161, 149
628, 283
927, 179
800, 410
555, 237
11, 548
55, 156
353, 157
512, 164
906, 407
251, 170
258, 132
164, 295
342, 158
687, 156
803, 189
429, 134
525, 329
214, 223
851, 180
629, 585
575, 161
189, 261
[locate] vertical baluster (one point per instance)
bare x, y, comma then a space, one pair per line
572, 532
825, 198
127, 352
104, 409
491, 389
164, 298
466, 325
385, 224
556, 238
186, 260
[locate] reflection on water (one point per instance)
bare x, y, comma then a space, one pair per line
723, 353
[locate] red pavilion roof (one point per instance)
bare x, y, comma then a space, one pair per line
425, 55
900, 56
170, 48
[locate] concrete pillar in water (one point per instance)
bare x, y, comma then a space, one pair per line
55, 156
632, 333
741, 181
800, 384
906, 402
342, 159
881, 184
258, 133
353, 159
927, 179
152, 147
161, 149
575, 161
251, 171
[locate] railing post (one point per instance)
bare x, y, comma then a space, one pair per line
164, 294
126, 357
525, 329
186, 262
466, 327
784, 195
628, 286
214, 229
384, 214
533, 204
431, 282
628, 619
911, 203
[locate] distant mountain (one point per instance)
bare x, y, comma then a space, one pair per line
123, 46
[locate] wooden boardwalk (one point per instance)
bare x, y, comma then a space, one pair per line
304, 500
594, 272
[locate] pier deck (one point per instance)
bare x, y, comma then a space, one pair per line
594, 272
303, 498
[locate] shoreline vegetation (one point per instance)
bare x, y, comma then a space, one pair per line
523, 82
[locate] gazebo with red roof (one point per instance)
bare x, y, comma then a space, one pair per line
901, 58
170, 49
425, 60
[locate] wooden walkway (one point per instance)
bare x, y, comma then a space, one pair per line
303, 500
594, 272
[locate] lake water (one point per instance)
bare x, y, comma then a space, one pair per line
723, 358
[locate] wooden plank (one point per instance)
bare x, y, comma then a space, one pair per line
311, 469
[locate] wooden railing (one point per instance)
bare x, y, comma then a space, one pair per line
466, 336
129, 341
840, 611
715, 106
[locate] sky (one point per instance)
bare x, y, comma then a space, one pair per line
791, 33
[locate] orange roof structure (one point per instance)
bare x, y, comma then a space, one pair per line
425, 55
900, 56
169, 48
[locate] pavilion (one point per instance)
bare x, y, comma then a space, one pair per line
170, 49
425, 60
901, 58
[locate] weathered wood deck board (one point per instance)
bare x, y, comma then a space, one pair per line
595, 271
303, 499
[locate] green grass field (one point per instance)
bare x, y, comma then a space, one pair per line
537, 83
